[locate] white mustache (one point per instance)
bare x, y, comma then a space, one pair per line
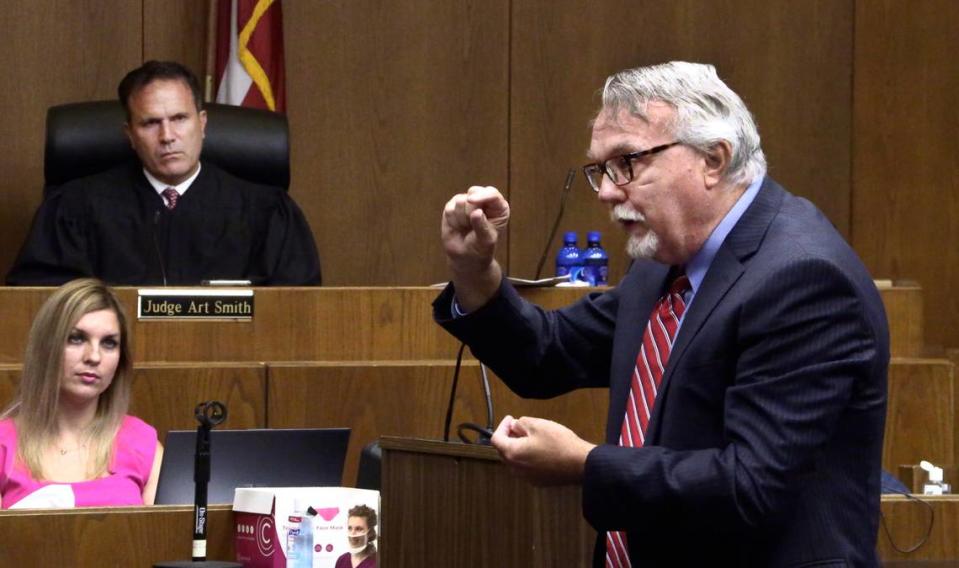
623, 212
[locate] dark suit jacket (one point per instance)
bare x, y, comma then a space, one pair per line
765, 440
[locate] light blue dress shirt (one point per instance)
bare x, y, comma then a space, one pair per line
698, 266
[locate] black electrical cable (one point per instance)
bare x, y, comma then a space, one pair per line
483, 435
925, 537
449, 407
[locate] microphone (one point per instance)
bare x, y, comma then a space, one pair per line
209, 414
156, 246
570, 175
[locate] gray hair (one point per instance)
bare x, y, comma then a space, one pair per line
707, 110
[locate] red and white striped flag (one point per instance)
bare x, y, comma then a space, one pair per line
249, 54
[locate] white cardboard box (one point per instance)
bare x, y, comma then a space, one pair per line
261, 519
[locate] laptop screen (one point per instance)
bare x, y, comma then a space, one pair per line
252, 458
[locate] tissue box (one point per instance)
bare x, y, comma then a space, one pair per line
261, 519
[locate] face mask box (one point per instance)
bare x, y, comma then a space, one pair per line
266, 523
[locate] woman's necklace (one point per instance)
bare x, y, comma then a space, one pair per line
80, 446
64, 452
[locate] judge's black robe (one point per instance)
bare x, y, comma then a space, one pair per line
115, 226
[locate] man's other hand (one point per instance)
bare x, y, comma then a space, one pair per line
542, 451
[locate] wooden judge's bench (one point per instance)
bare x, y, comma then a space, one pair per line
341, 324
373, 360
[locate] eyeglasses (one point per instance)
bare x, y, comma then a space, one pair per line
620, 168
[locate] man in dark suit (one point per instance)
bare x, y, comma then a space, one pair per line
746, 350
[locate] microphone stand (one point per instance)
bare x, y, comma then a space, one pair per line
208, 414
483, 435
570, 175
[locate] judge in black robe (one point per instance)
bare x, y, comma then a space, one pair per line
115, 226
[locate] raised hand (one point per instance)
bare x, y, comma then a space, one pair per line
470, 229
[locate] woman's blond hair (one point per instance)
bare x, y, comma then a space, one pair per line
35, 406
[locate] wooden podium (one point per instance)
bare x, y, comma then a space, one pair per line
447, 504
457, 505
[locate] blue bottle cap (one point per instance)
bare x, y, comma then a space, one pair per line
593, 236
569, 237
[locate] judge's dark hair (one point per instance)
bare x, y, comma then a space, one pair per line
369, 515
158, 71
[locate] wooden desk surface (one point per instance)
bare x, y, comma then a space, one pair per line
140, 536
116, 536
342, 324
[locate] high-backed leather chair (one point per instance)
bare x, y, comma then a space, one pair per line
87, 138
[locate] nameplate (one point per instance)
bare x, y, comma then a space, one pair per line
194, 304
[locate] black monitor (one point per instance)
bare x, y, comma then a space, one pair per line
252, 458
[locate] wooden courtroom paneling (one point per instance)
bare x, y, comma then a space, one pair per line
906, 153
176, 30
407, 399
393, 108
796, 82
54, 53
9, 379
164, 395
117, 536
953, 356
904, 311
906, 523
921, 416
324, 324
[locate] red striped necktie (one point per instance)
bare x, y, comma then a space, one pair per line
647, 375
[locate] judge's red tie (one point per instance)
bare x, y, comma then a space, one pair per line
171, 197
647, 374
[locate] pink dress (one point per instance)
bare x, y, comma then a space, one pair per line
129, 471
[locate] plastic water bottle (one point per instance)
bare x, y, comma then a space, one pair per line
595, 261
299, 537
569, 259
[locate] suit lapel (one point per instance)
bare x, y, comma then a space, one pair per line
727, 266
